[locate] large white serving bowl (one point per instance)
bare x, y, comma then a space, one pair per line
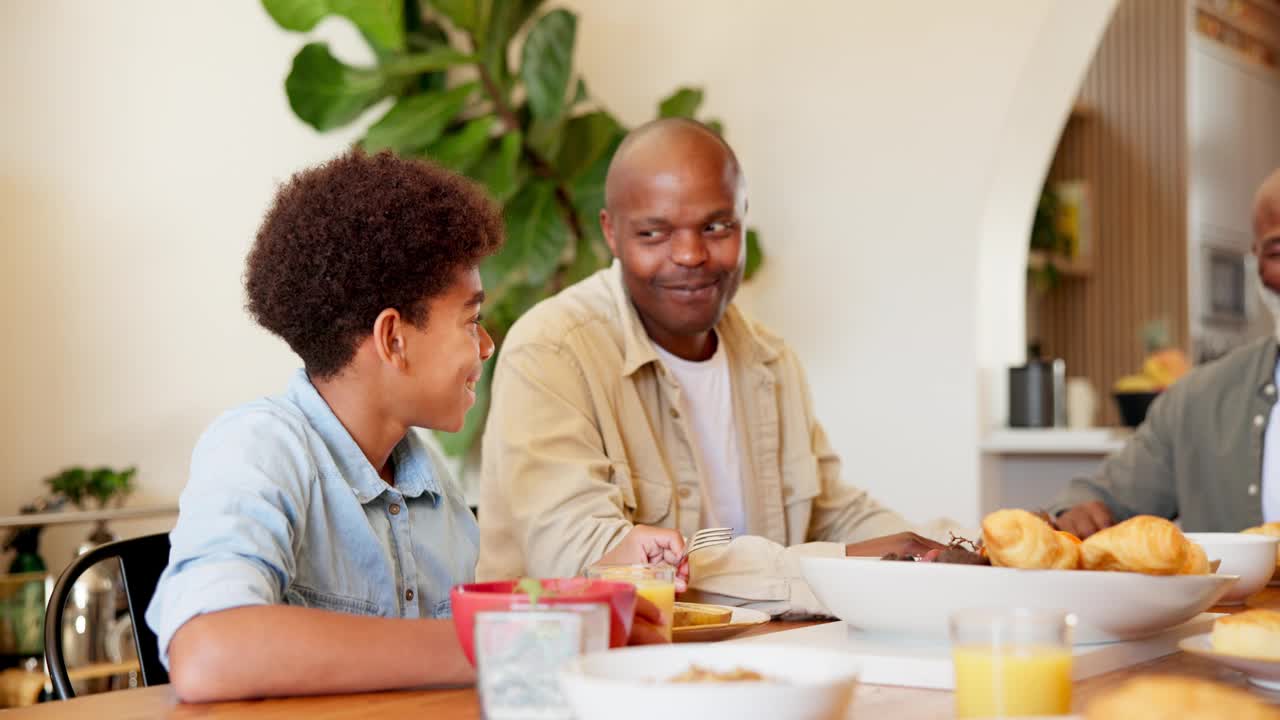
915, 599
1252, 557
631, 683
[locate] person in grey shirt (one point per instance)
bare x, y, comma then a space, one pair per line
1208, 453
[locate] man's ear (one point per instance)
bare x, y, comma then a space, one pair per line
389, 338
606, 227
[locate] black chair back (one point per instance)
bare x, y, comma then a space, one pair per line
141, 562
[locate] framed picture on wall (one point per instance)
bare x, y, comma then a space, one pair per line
1225, 287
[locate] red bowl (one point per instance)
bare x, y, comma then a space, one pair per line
469, 599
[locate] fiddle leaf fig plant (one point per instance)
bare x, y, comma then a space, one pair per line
487, 89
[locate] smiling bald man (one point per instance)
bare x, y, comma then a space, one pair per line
642, 400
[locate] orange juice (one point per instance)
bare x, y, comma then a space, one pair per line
1004, 682
655, 583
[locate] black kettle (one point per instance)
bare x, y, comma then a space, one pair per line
1037, 392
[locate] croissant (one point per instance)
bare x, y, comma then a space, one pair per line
1144, 544
1018, 539
1197, 561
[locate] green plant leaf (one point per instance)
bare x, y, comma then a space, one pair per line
503, 22
537, 235
755, 254
326, 94
682, 103
430, 61
459, 444
380, 21
587, 188
417, 121
584, 139
544, 137
296, 15
547, 62
499, 168
715, 126
460, 149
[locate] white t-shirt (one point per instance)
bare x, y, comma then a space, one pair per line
708, 406
1271, 462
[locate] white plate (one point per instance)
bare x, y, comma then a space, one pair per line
1263, 673
742, 620
630, 683
916, 599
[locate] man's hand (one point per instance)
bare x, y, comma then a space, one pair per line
645, 627
1086, 519
647, 545
903, 543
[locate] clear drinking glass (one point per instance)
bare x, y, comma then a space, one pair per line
1012, 662
519, 654
655, 583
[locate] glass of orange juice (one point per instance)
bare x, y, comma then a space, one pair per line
1012, 662
655, 583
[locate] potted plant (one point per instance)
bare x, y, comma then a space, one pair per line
104, 486
513, 117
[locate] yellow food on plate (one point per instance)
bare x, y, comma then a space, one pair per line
694, 614
1019, 539
1143, 544
1252, 633
1158, 697
698, 674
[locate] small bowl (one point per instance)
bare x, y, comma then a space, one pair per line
802, 683
1133, 406
469, 599
1252, 557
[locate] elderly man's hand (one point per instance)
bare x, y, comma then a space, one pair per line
1085, 519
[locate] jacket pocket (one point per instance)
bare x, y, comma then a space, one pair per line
304, 596
800, 481
646, 502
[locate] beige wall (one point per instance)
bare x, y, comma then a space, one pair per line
893, 151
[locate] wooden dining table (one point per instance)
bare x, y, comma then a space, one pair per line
873, 701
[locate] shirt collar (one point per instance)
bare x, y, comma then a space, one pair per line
733, 329
414, 470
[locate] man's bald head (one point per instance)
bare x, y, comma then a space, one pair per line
675, 203
660, 145
1266, 239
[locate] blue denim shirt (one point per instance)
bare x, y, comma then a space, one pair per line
283, 507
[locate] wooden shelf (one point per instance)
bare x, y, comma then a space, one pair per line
1068, 267
73, 517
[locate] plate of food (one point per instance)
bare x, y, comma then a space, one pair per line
1247, 641
1130, 581
701, 681
699, 622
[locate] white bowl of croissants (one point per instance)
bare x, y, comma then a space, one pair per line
1132, 580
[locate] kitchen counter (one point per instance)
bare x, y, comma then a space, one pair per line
1055, 441
1029, 467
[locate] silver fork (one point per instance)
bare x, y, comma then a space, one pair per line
706, 538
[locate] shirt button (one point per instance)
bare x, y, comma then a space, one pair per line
1269, 390
685, 492
675, 413
395, 510
786, 492
1259, 421
408, 594
1253, 489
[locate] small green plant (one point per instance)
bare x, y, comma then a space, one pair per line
487, 89
105, 485
1048, 238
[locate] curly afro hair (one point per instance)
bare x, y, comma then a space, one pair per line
357, 235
